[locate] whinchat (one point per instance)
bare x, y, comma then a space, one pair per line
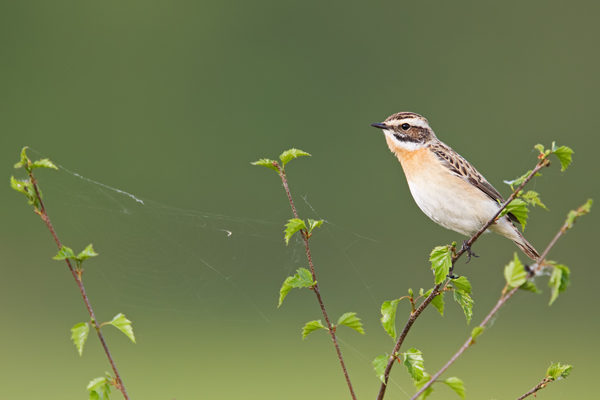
444, 185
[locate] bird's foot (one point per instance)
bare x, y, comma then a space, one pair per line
466, 248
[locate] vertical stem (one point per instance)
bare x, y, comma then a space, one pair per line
316, 286
77, 276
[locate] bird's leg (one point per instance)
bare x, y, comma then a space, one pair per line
466, 248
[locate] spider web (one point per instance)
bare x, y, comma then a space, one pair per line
159, 257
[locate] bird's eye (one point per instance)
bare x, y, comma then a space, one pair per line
405, 127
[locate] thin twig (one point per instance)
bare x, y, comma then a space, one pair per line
537, 387
314, 276
435, 292
77, 275
532, 271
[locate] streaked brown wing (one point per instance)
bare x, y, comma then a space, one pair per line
461, 168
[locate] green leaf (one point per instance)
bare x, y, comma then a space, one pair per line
24, 162
421, 383
87, 253
441, 261
413, 360
559, 280
302, 279
79, 334
556, 370
530, 286
379, 365
64, 253
350, 320
533, 198
293, 226
574, 214
312, 224
437, 302
564, 155
411, 294
311, 327
515, 273
124, 325
456, 385
519, 209
388, 319
462, 283
265, 162
27, 189
290, 154
540, 148
517, 182
465, 302
476, 332
99, 388
44, 163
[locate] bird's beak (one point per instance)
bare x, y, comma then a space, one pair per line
380, 125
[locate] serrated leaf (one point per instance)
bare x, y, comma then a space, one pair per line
574, 214
530, 286
302, 279
43, 163
441, 262
421, 292
388, 319
457, 385
517, 182
79, 334
539, 148
461, 283
437, 302
99, 388
265, 162
87, 253
564, 155
465, 302
312, 224
64, 253
350, 320
559, 280
290, 154
533, 198
293, 226
379, 365
556, 370
515, 273
124, 325
519, 209
311, 327
476, 332
413, 360
421, 383
19, 185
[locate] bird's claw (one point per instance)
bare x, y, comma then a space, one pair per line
466, 248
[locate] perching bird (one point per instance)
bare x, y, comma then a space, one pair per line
444, 185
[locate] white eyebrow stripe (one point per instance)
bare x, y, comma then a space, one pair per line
411, 121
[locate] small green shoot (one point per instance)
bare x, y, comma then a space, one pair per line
475, 333
557, 371
559, 280
515, 273
441, 262
581, 211
79, 334
311, 327
293, 226
290, 154
122, 324
350, 320
302, 279
99, 388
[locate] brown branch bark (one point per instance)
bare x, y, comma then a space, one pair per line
77, 275
541, 164
314, 276
532, 271
537, 387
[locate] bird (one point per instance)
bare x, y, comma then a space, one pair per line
445, 186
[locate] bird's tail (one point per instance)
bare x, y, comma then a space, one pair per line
527, 248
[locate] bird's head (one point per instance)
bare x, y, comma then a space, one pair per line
406, 131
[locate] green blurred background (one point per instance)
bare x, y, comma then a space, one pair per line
171, 101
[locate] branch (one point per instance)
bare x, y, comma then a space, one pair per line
77, 275
314, 276
532, 271
539, 386
541, 164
